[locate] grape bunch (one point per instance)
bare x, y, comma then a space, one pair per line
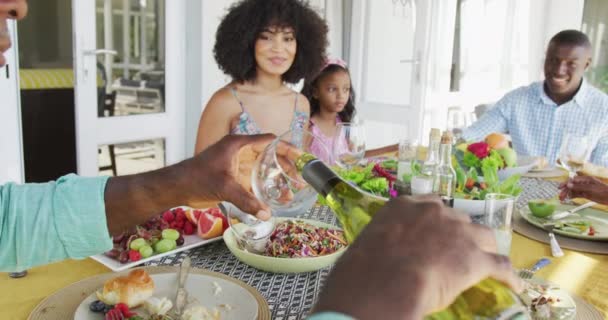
158, 235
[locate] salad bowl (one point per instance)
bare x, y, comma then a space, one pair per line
278, 264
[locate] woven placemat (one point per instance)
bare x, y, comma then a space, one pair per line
62, 304
521, 226
585, 310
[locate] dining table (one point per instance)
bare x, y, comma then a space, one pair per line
291, 296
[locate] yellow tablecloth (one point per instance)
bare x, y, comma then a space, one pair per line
583, 274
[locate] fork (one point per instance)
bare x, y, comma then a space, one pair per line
529, 273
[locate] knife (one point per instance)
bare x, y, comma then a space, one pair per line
563, 214
182, 294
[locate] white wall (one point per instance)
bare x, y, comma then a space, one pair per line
548, 17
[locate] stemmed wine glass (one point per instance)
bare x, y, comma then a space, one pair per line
276, 183
349, 144
573, 153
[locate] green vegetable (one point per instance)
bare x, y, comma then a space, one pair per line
470, 160
390, 164
415, 168
461, 178
376, 185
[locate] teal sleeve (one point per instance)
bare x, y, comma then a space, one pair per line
329, 316
42, 223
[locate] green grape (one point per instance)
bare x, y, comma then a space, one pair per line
138, 243
170, 234
146, 251
165, 245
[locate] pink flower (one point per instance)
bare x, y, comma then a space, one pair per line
479, 149
393, 193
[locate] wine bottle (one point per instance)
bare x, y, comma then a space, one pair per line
355, 208
445, 177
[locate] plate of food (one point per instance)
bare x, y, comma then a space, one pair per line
211, 295
175, 230
296, 245
586, 224
547, 301
152, 297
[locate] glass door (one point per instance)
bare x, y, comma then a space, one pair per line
129, 85
387, 46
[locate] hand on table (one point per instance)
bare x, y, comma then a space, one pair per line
587, 187
415, 257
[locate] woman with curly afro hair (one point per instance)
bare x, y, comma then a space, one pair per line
263, 45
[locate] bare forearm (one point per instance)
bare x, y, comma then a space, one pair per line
131, 200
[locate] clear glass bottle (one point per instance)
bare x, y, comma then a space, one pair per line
423, 182
444, 178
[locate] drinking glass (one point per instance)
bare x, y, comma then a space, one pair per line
349, 144
498, 215
407, 154
276, 183
457, 122
574, 152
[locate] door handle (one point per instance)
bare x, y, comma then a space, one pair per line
100, 51
412, 61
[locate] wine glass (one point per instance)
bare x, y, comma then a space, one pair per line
574, 152
349, 144
276, 183
457, 122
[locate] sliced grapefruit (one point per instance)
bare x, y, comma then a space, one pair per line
193, 214
209, 226
217, 213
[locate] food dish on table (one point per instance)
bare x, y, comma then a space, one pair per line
586, 224
209, 298
295, 258
175, 230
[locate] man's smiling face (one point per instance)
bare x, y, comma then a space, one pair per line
565, 65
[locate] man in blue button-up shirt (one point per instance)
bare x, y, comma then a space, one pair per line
537, 116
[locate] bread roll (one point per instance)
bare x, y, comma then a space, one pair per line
131, 290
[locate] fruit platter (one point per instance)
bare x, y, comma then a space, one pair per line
174, 230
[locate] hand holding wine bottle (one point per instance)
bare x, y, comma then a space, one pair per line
414, 258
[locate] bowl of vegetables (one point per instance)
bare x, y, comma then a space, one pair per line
477, 167
295, 246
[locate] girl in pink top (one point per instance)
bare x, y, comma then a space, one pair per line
332, 102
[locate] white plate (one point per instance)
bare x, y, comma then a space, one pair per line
545, 169
524, 164
191, 241
200, 292
566, 300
